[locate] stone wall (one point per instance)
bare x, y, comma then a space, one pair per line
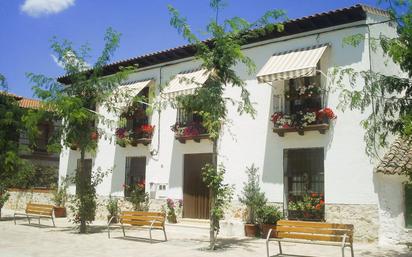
364, 217
19, 198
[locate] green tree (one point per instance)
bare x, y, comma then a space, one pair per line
219, 56
13, 169
388, 97
73, 101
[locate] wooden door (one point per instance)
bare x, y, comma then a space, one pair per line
195, 192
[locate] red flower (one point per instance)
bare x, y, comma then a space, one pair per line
276, 116
318, 206
314, 195
322, 202
147, 128
326, 112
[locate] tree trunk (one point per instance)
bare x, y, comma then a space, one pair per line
0, 211
212, 234
81, 189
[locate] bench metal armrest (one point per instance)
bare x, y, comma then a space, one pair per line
344, 240
108, 226
268, 235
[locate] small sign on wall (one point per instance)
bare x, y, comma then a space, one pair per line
158, 190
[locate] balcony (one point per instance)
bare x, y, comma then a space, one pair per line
302, 122
138, 135
189, 131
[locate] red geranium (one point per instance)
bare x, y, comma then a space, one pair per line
276, 116
120, 132
326, 112
147, 128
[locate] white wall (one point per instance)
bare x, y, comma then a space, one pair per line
348, 171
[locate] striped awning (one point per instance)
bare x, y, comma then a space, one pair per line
292, 64
186, 83
128, 90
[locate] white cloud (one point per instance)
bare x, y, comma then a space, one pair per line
70, 59
38, 8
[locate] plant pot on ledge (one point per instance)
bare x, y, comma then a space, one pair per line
251, 230
59, 212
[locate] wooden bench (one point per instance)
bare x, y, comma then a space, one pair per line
36, 210
149, 220
312, 233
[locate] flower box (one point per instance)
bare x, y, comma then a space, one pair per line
182, 139
322, 128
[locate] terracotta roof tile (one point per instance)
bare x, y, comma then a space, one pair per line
398, 159
29, 103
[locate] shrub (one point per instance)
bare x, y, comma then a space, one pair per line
268, 214
251, 197
113, 207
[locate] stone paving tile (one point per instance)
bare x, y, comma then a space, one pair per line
25, 240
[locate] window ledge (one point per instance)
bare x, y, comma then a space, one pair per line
301, 131
183, 139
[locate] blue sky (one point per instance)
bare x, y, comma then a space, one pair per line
26, 27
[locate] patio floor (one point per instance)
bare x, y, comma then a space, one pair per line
24, 240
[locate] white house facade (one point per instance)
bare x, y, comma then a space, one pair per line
322, 156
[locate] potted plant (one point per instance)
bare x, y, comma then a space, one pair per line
172, 209
252, 198
138, 196
309, 207
113, 209
267, 216
59, 199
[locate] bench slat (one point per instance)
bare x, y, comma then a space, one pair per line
40, 205
39, 212
39, 209
311, 230
294, 223
141, 223
142, 218
330, 238
141, 213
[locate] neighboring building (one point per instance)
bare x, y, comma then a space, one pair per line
325, 156
38, 153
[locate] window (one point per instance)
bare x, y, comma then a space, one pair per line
135, 172
303, 95
408, 206
186, 117
136, 114
304, 183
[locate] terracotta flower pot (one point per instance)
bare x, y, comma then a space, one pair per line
59, 212
264, 230
251, 230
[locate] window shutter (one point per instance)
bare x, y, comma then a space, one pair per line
277, 103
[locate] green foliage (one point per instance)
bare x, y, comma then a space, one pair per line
268, 214
13, 169
219, 56
60, 193
252, 197
138, 197
113, 207
83, 205
222, 193
75, 106
387, 98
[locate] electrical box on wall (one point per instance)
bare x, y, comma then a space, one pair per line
158, 190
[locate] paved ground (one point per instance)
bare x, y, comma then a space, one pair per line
24, 240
